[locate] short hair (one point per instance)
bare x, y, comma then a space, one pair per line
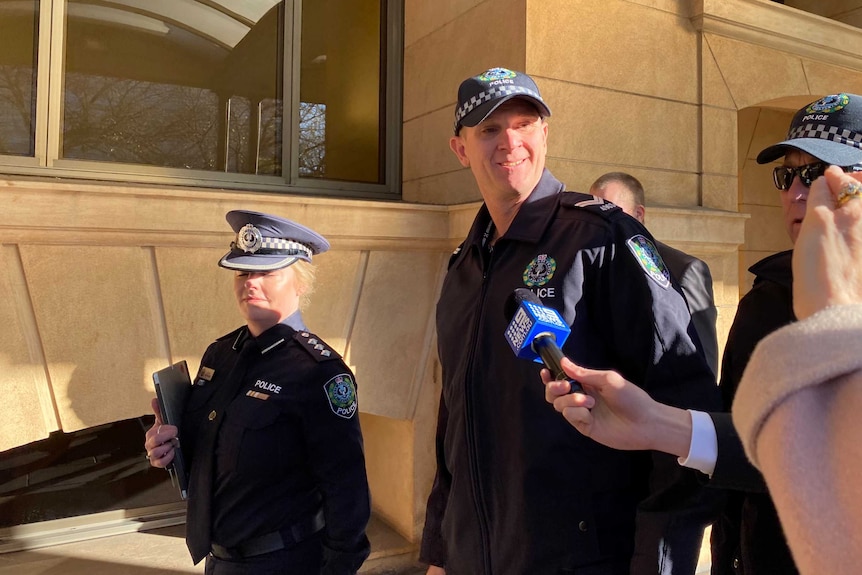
631, 183
305, 273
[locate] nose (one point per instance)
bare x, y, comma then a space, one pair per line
798, 191
252, 279
510, 139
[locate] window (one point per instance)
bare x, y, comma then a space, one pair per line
19, 22
289, 94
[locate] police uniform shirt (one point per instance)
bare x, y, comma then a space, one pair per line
289, 440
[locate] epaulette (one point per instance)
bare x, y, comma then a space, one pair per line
454, 255
590, 203
315, 346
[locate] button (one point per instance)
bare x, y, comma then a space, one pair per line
212, 415
582, 526
736, 563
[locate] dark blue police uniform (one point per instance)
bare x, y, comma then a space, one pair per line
277, 481
518, 490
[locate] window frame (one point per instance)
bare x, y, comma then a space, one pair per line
47, 160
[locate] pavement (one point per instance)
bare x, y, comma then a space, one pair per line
162, 551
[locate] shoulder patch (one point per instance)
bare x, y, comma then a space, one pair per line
341, 395
316, 347
649, 259
590, 203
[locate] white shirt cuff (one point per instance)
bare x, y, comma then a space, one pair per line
703, 450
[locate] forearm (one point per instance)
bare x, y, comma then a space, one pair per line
799, 421
811, 459
669, 430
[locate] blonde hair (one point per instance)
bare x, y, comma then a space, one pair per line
305, 273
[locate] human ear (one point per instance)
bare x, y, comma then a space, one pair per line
456, 144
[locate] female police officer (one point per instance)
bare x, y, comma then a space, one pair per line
277, 481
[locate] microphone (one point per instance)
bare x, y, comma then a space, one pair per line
534, 332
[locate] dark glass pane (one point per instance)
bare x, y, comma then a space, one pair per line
89, 471
341, 126
19, 38
179, 84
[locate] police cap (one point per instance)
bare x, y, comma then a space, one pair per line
265, 242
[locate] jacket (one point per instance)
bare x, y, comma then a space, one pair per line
748, 539
696, 283
518, 490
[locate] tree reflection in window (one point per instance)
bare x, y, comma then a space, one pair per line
312, 140
18, 113
132, 121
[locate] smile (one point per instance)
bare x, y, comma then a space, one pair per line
513, 164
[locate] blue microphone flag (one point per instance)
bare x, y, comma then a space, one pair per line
530, 321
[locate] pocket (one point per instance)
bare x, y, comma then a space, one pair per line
250, 437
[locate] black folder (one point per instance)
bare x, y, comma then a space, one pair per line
173, 386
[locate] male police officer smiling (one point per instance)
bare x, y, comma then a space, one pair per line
277, 481
518, 491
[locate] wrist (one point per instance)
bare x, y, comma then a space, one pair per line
671, 431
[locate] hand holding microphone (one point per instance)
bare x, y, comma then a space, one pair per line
536, 332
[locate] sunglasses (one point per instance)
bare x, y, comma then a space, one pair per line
783, 175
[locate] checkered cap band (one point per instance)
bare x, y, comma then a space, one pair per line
824, 132
495, 93
277, 246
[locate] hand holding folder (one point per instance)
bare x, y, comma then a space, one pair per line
173, 386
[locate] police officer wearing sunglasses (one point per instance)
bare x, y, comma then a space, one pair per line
748, 539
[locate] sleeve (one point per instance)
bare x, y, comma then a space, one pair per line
337, 461
703, 447
753, 321
433, 547
649, 326
798, 416
732, 468
696, 284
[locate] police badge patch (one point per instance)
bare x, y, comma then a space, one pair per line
828, 104
341, 394
539, 271
648, 257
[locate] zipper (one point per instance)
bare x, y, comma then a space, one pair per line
475, 475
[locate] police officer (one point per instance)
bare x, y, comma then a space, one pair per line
748, 538
518, 491
277, 472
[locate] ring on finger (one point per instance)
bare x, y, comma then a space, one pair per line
849, 191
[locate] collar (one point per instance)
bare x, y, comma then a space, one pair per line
776, 268
294, 320
274, 336
533, 217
